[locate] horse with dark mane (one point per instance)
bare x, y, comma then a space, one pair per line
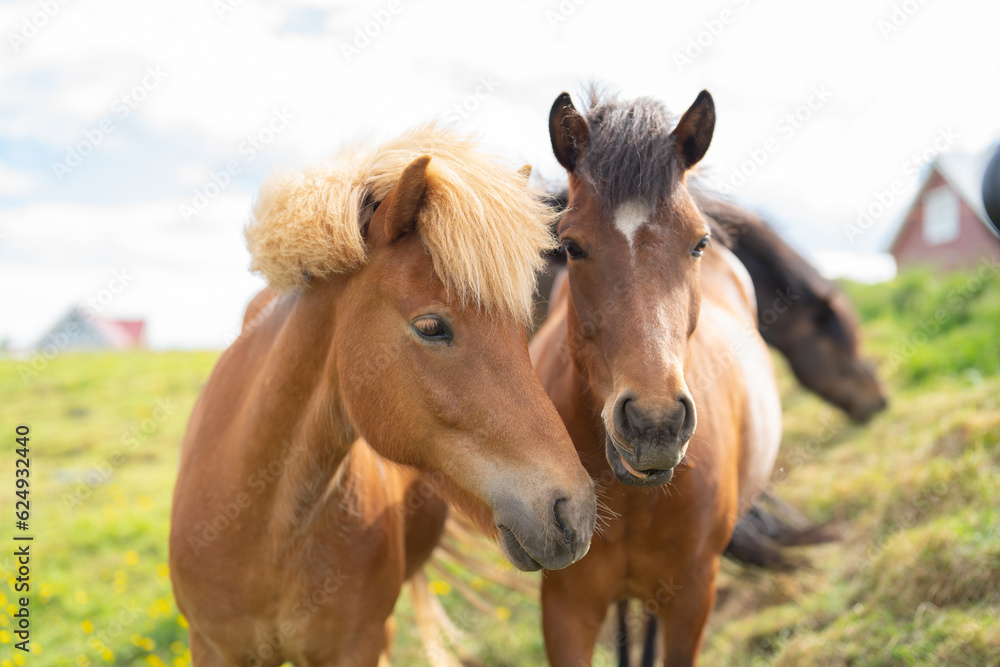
652, 357
400, 289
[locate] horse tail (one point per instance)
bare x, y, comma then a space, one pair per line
648, 642
623, 656
433, 624
761, 535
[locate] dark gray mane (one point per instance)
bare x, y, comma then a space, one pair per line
630, 153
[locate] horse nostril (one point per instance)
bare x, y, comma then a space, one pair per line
687, 413
635, 422
625, 415
568, 533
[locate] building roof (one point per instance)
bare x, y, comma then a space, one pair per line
964, 173
121, 334
114, 334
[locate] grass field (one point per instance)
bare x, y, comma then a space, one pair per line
915, 493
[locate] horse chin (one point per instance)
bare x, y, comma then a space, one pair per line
515, 553
862, 414
626, 474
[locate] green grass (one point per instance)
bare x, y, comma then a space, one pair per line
916, 578
914, 581
103, 444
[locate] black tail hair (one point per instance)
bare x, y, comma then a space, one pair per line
769, 526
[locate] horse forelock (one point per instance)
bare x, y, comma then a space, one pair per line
630, 155
484, 227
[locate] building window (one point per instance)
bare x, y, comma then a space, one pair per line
940, 216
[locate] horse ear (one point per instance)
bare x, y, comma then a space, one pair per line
693, 133
568, 131
401, 217
525, 173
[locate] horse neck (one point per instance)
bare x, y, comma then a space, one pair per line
783, 281
297, 424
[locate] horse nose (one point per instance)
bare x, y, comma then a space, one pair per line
666, 422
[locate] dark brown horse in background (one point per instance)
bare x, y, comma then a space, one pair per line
405, 279
652, 357
801, 313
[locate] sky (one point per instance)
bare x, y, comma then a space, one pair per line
133, 136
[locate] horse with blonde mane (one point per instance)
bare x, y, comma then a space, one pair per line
652, 357
400, 286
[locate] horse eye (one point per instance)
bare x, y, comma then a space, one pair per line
573, 251
699, 249
431, 327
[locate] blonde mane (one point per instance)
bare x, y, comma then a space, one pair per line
484, 227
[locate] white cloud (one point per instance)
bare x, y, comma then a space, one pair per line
225, 77
16, 183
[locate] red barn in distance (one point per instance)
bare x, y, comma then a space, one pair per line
946, 225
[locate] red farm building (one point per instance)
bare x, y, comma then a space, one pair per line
946, 225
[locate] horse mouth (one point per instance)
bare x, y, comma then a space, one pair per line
515, 552
627, 474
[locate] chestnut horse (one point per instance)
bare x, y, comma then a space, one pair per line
652, 357
404, 277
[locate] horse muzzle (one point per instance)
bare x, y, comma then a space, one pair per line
556, 536
646, 442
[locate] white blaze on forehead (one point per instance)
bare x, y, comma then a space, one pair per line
631, 216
